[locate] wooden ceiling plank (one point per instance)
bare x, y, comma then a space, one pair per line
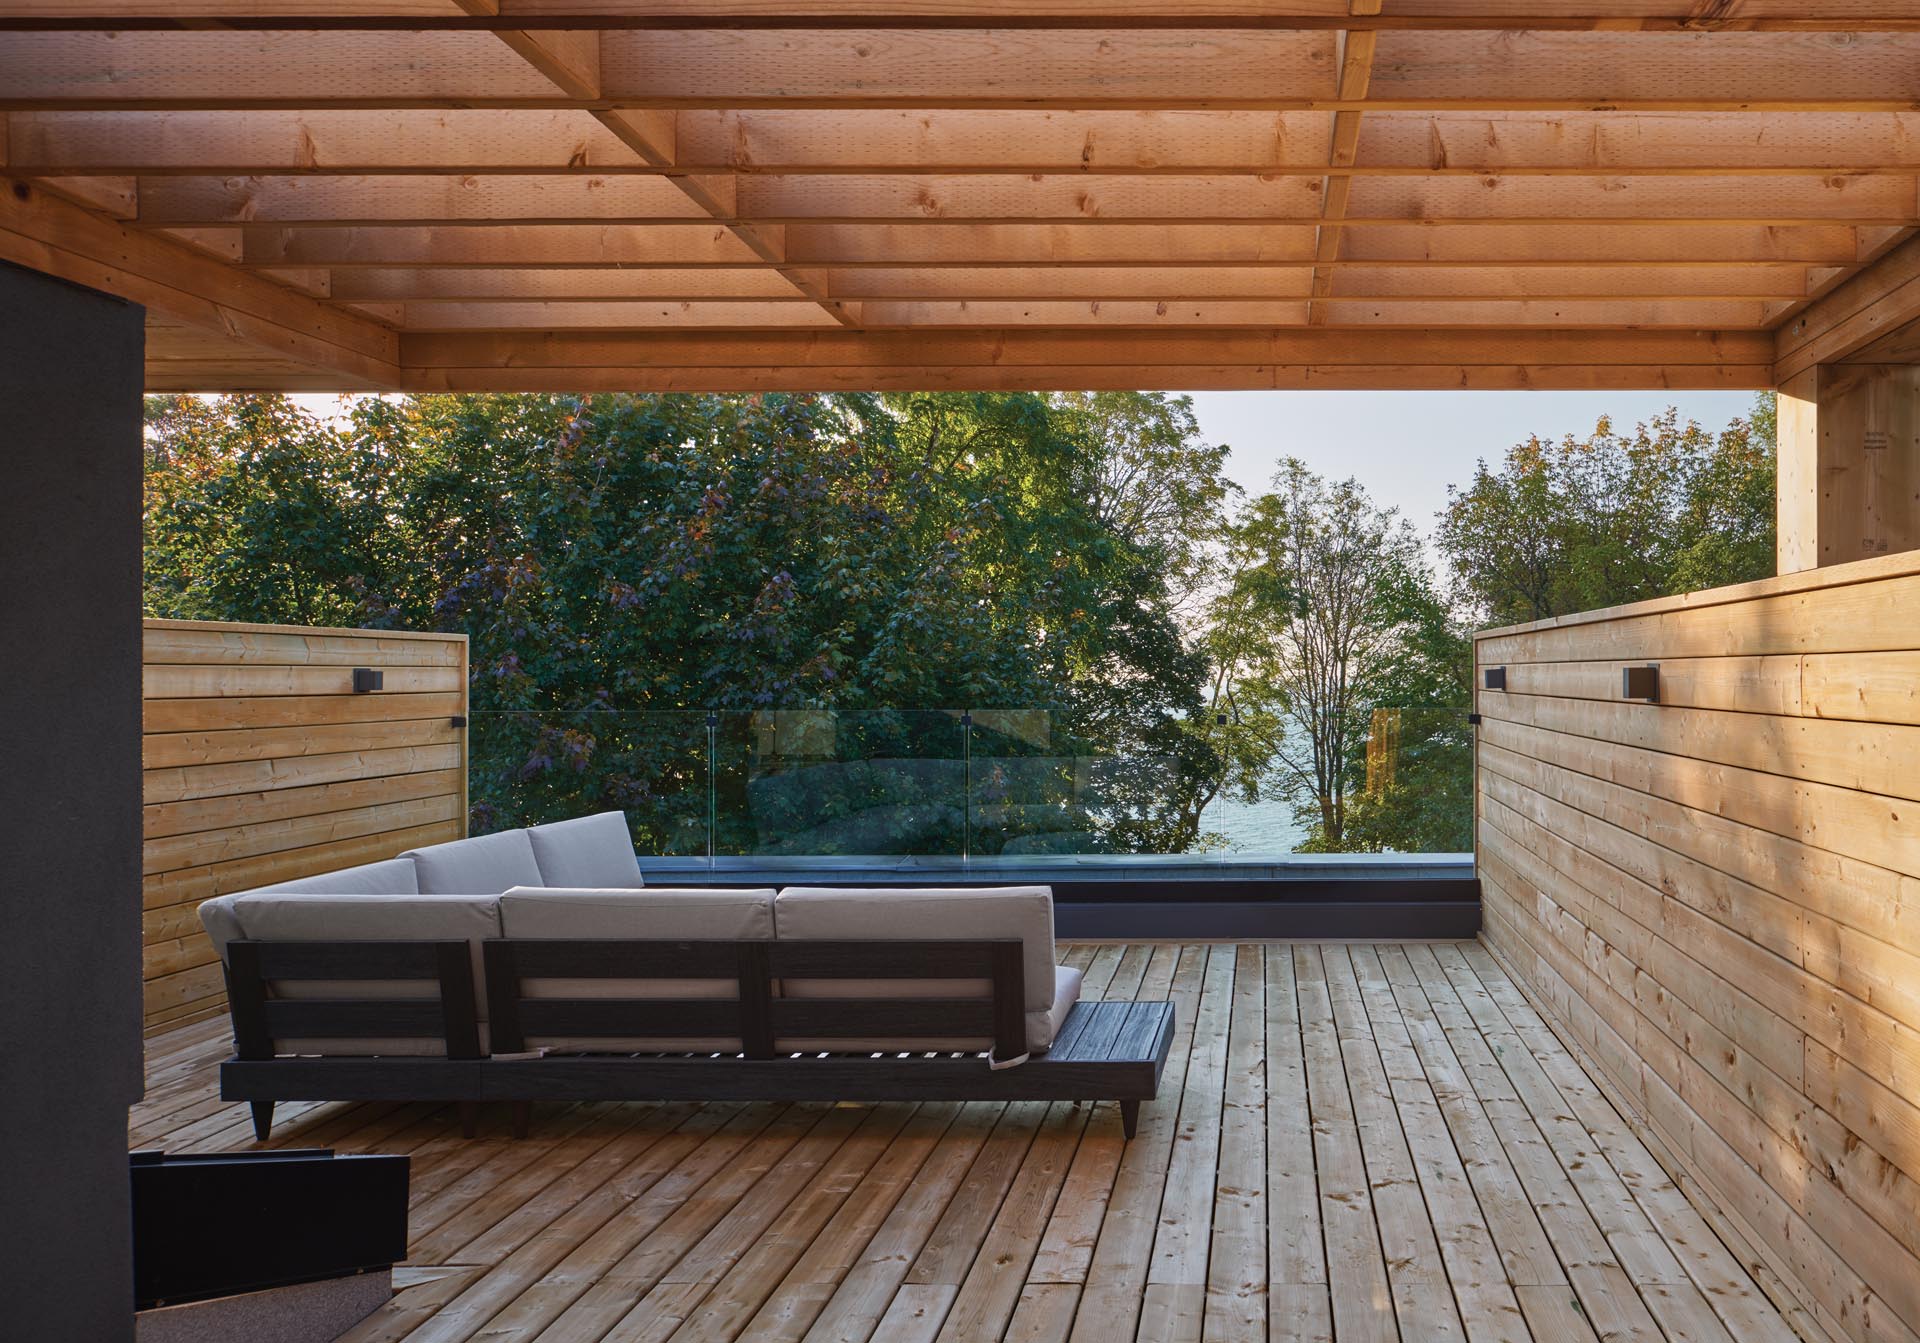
559, 315
892, 245
1556, 314
1153, 281
1457, 284
959, 68
461, 142
669, 245
175, 201
179, 200
1455, 148
510, 285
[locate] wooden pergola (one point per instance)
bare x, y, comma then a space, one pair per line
735, 194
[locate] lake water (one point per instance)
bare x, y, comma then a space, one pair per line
1263, 827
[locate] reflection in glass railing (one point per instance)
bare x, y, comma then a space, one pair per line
1001, 784
814, 781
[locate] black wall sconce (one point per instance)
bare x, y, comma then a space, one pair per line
367, 679
1496, 678
1640, 683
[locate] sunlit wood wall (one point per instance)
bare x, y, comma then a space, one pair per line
262, 765
1719, 896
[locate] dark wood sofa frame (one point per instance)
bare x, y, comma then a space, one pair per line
1103, 1051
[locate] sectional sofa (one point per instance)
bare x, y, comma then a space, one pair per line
537, 964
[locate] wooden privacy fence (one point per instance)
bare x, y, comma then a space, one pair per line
262, 764
1719, 894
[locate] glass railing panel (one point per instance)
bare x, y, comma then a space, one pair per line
1038, 787
527, 768
819, 782
1416, 785
969, 785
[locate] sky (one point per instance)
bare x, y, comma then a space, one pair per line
1407, 447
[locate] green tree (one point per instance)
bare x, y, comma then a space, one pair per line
1612, 518
1330, 614
660, 555
256, 510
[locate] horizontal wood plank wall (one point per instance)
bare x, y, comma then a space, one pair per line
1719, 895
262, 765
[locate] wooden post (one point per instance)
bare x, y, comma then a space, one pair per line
1849, 484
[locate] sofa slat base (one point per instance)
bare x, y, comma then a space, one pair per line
1106, 1051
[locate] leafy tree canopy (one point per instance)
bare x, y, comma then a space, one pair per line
733, 553
1614, 517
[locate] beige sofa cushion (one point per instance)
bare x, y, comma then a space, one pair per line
483, 865
822, 913
656, 913
293, 917
392, 877
590, 852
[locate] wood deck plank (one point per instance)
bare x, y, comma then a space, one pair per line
1350, 1143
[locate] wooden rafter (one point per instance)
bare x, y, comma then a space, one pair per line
696, 185
1356, 72
572, 59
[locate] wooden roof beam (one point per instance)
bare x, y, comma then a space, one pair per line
532, 15
1044, 359
1880, 299
46, 233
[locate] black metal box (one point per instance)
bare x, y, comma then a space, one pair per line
215, 1225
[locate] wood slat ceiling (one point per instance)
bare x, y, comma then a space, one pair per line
733, 193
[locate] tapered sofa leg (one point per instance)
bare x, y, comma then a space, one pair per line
522, 1118
1130, 1117
262, 1118
469, 1112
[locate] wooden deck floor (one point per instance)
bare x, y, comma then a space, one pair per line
1353, 1142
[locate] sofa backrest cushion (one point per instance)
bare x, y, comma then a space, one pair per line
658, 913
483, 865
295, 917
589, 852
392, 877
395, 876
927, 913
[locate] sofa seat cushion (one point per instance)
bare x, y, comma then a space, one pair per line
657, 913
928, 913
392, 877
483, 865
586, 853
296, 917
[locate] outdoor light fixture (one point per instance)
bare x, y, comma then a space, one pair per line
366, 679
1496, 678
1640, 683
